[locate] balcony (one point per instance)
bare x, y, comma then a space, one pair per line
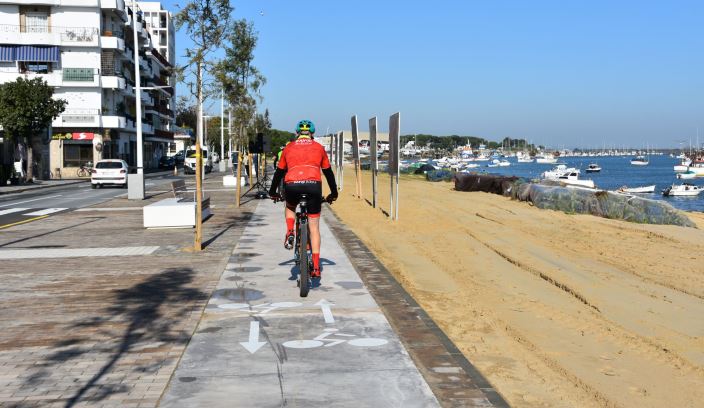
78, 118
48, 35
112, 43
79, 77
113, 121
75, 3
113, 82
118, 6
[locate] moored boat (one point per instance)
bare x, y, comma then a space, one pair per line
569, 176
593, 168
637, 190
685, 189
640, 161
687, 175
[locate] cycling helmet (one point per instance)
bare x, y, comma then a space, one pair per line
305, 126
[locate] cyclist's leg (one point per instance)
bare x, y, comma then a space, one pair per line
292, 197
314, 207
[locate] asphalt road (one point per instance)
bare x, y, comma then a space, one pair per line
41, 203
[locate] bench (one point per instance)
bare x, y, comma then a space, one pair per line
176, 212
178, 187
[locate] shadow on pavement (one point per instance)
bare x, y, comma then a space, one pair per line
149, 309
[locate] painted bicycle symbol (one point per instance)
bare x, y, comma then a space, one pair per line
331, 337
261, 309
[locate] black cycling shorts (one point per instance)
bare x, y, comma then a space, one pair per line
294, 190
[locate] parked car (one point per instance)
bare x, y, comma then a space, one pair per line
179, 157
109, 172
166, 162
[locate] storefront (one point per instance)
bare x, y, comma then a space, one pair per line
69, 150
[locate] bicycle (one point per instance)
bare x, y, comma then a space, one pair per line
85, 170
302, 249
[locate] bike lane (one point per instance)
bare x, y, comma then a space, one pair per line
259, 344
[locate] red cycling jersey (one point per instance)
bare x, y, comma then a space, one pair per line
303, 159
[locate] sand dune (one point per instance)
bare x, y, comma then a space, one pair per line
555, 309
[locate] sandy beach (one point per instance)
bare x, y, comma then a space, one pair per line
556, 310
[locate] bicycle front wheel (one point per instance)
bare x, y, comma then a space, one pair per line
303, 266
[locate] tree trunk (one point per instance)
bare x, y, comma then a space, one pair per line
30, 160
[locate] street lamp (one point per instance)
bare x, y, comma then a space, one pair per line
136, 181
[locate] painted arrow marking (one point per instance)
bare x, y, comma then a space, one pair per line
253, 344
327, 313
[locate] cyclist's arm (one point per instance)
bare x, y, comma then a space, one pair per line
330, 177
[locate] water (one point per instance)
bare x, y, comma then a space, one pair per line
616, 172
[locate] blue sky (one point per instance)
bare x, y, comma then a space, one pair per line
558, 73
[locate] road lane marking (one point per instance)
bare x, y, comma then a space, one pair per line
29, 201
46, 211
12, 210
22, 222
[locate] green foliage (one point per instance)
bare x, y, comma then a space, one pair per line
186, 114
27, 107
279, 138
454, 141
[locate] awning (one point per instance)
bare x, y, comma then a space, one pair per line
37, 53
7, 53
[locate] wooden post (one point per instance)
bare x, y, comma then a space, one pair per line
198, 244
239, 177
250, 156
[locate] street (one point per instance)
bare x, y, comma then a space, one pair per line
34, 205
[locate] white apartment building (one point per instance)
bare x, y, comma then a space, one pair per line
84, 48
161, 27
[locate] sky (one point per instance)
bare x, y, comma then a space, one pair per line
562, 74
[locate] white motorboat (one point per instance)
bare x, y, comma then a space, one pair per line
593, 168
545, 158
697, 167
504, 163
637, 190
525, 159
687, 175
683, 166
568, 176
685, 189
640, 161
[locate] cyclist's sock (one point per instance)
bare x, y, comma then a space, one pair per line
289, 223
316, 261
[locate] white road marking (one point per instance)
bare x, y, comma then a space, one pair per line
327, 313
10, 253
110, 209
29, 201
45, 211
253, 344
12, 210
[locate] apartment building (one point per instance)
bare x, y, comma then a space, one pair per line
85, 49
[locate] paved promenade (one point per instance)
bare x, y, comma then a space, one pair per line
260, 342
96, 311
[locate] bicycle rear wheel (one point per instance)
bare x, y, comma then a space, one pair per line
303, 259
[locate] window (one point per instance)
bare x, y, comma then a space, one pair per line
76, 155
108, 165
37, 67
37, 22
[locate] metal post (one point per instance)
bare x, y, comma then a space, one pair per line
135, 182
222, 164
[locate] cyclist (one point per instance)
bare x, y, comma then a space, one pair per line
300, 166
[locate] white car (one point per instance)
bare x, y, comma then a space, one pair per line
109, 172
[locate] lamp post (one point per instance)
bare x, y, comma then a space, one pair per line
136, 181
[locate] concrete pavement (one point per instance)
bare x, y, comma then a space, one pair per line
260, 345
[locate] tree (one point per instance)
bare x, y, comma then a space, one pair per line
240, 80
206, 23
26, 109
186, 114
